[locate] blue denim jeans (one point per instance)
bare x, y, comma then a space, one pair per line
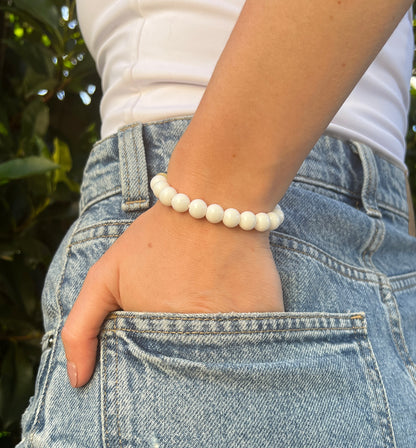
336, 369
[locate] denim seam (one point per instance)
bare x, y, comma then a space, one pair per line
377, 238
94, 238
138, 201
104, 224
99, 198
138, 165
394, 210
402, 282
377, 383
242, 332
351, 194
325, 185
404, 288
125, 166
390, 302
43, 391
117, 391
370, 180
106, 437
65, 264
238, 318
403, 276
334, 260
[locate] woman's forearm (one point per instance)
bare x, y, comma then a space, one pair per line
285, 71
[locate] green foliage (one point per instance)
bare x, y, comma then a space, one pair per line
44, 67
411, 133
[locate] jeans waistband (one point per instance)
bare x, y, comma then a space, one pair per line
125, 162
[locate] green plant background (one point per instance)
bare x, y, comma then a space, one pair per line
49, 119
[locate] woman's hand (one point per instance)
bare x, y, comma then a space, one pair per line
170, 262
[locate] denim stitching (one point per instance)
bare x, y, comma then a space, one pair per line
404, 288
325, 255
99, 198
94, 238
137, 167
403, 276
403, 282
139, 201
372, 246
125, 164
105, 388
401, 348
117, 391
394, 210
104, 224
335, 261
42, 392
325, 185
238, 318
376, 384
207, 333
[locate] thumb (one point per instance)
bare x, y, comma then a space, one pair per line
81, 329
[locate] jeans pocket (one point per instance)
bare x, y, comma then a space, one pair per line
241, 380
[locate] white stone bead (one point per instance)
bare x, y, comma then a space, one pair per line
166, 195
198, 208
231, 218
262, 222
159, 186
274, 220
180, 202
247, 220
159, 177
214, 213
279, 213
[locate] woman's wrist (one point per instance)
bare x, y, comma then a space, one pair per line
228, 183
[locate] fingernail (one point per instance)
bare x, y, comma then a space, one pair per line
71, 368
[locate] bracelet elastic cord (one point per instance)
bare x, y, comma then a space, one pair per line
214, 213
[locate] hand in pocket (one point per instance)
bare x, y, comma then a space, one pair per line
169, 262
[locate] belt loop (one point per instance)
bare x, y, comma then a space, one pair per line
412, 226
133, 169
370, 180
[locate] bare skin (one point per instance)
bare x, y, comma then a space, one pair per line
242, 149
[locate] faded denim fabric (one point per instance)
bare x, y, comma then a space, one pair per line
336, 370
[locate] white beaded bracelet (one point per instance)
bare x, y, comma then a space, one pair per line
214, 213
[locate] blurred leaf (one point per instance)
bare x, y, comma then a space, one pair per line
44, 12
34, 83
33, 250
6, 385
36, 55
35, 119
15, 385
26, 167
20, 205
62, 156
84, 68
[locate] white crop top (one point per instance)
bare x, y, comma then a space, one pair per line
155, 58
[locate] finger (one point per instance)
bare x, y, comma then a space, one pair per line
80, 332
